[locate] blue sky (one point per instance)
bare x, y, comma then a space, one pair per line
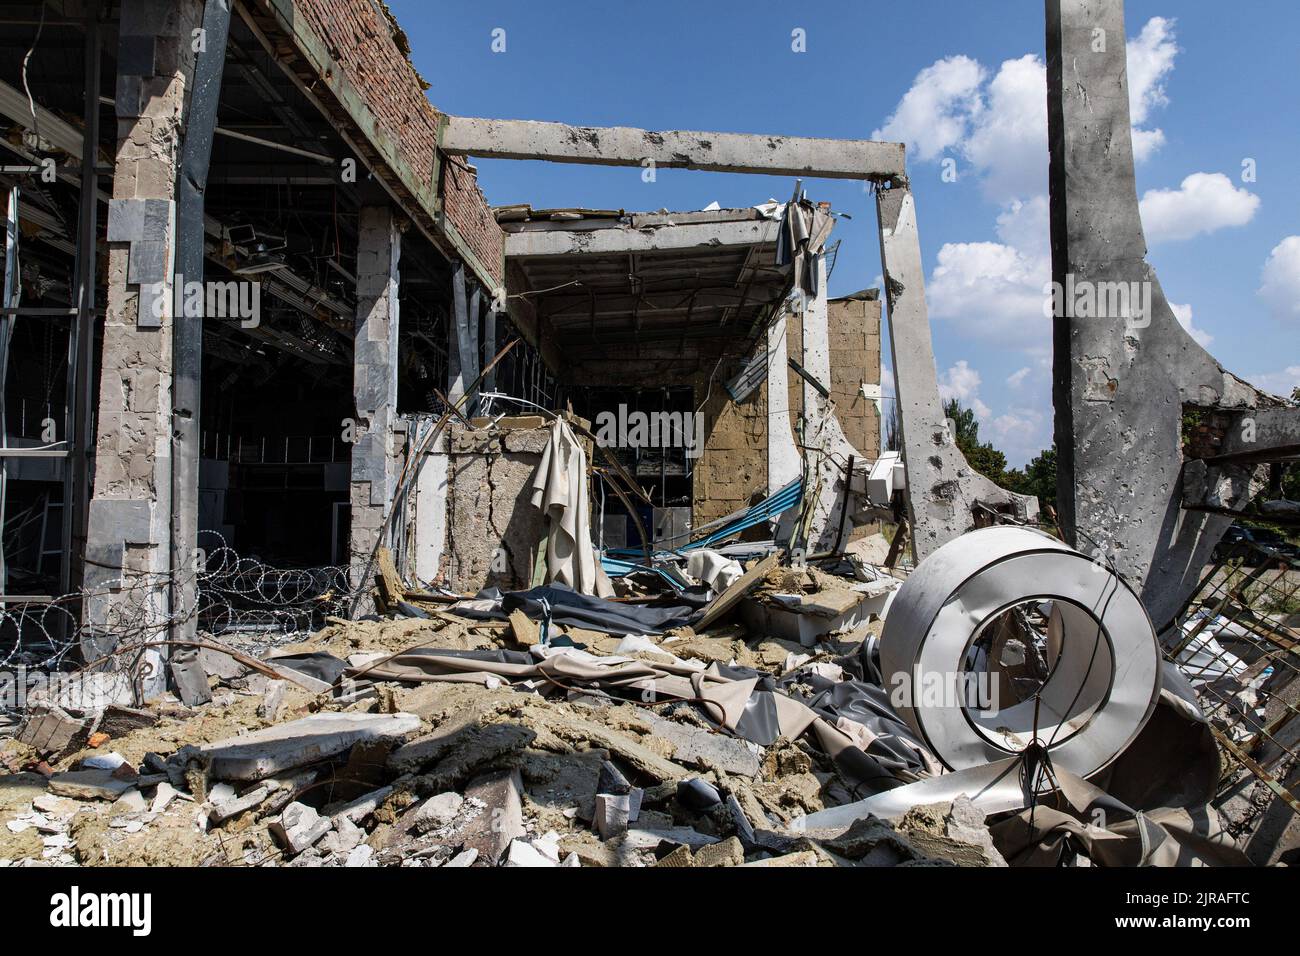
955, 81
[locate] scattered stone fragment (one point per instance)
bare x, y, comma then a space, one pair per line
220, 665
954, 832
360, 856
118, 721
299, 827
272, 699
189, 678
222, 812
131, 801
282, 747
343, 839
681, 857
727, 853
695, 746
109, 761
614, 812
360, 808
437, 811
88, 785
640, 838
502, 819
163, 797
52, 730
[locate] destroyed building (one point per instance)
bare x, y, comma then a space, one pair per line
349, 515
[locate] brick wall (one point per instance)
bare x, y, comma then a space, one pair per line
732, 472
370, 49
467, 210
364, 42
853, 327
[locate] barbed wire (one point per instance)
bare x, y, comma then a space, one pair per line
233, 596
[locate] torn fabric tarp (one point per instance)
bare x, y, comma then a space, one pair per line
741, 700
559, 489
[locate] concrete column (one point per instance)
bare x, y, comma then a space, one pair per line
127, 552
943, 491
782, 453
1122, 370
374, 378
826, 450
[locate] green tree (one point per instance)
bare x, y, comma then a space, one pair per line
1037, 479
981, 456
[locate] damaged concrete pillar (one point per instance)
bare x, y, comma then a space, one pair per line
827, 452
375, 458
944, 494
1124, 369
782, 453
127, 550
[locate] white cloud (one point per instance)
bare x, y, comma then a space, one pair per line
1280, 288
935, 113
1146, 142
1008, 141
887, 382
1204, 203
999, 124
1150, 61
1183, 313
963, 383
994, 290
1017, 378
1277, 383
1019, 433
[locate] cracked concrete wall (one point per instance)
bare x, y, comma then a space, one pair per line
1121, 379
493, 530
130, 509
376, 452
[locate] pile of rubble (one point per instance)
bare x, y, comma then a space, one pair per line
744, 720
315, 757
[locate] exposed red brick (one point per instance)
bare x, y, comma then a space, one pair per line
362, 39
468, 212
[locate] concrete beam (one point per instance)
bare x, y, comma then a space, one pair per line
1259, 434
716, 152
943, 491
1122, 377
659, 239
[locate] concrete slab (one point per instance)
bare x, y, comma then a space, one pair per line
285, 746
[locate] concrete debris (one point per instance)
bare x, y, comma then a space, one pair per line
286, 746
89, 785
190, 679
230, 809
299, 827
711, 748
